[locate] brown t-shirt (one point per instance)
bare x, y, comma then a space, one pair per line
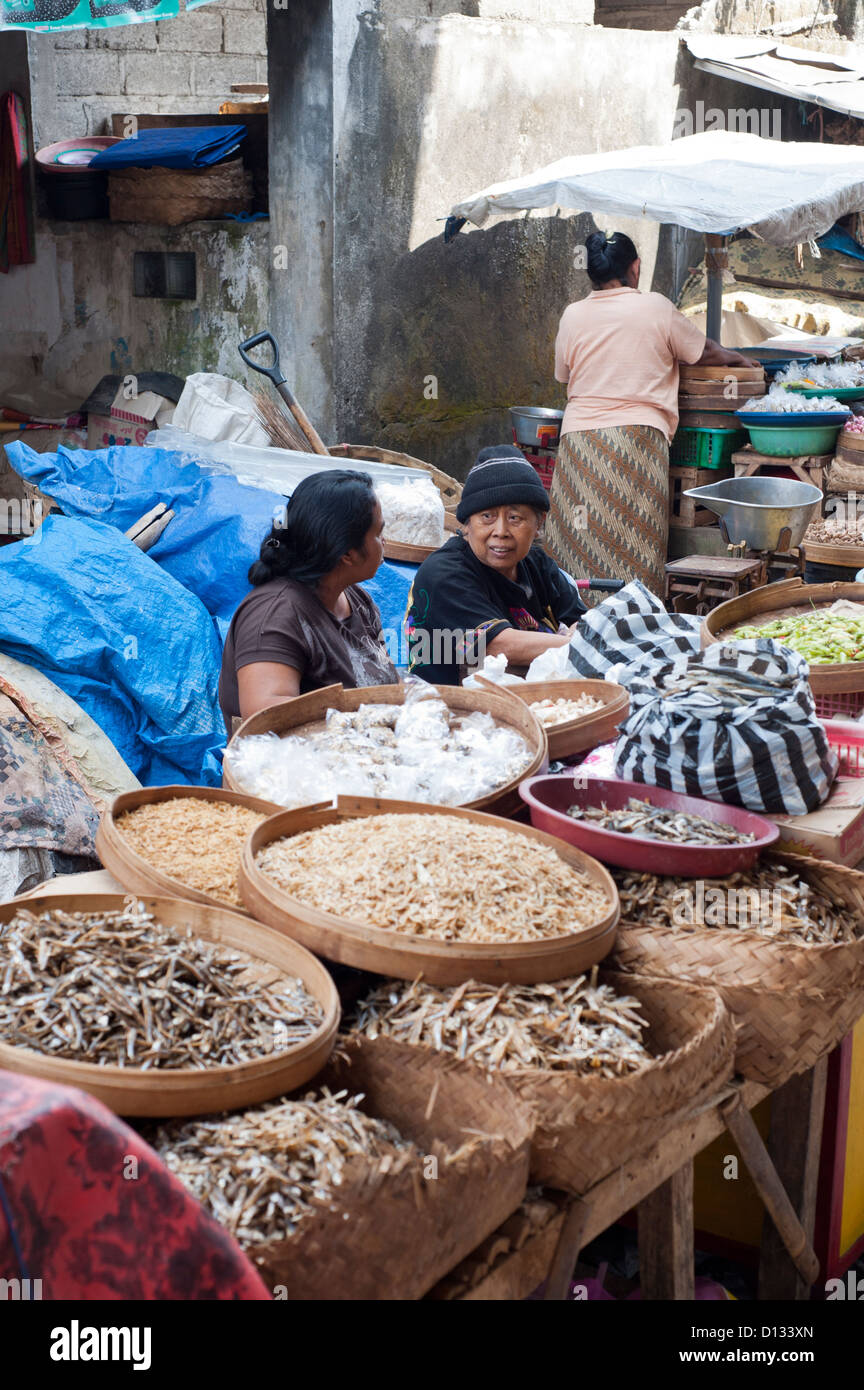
286, 622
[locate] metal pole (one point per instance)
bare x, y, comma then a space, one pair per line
716, 261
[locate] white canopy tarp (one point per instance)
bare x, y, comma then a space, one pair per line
718, 181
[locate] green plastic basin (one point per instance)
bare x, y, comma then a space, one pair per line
784, 443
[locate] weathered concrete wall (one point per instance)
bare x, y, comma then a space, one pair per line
432, 111
72, 317
179, 66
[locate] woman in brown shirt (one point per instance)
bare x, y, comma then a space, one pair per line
306, 623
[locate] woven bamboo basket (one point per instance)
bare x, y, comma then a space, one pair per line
777, 601
174, 196
308, 713
136, 873
791, 1003
416, 554
586, 731
449, 488
405, 1230
191, 1090
369, 946
586, 1126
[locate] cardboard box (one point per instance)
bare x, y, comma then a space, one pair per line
130, 421
835, 832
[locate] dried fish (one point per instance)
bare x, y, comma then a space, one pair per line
193, 840
436, 876
646, 822
263, 1171
775, 902
120, 988
551, 712
574, 1025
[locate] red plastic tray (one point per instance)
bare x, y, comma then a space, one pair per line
548, 798
847, 740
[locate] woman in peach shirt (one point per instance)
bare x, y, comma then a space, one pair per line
618, 351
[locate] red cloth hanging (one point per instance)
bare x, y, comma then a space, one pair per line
17, 245
90, 1211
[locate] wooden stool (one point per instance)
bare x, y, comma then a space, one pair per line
808, 467
699, 582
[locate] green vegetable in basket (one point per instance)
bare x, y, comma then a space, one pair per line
821, 638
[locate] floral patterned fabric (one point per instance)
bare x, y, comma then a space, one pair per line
88, 1210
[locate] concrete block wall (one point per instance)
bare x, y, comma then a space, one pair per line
181, 66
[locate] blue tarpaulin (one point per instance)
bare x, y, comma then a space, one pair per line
136, 649
171, 147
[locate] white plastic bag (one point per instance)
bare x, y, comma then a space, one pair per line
494, 669
216, 407
552, 665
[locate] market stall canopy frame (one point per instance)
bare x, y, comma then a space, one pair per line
716, 182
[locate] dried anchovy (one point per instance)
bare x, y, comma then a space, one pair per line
436, 876
120, 989
773, 902
647, 822
262, 1171
573, 1025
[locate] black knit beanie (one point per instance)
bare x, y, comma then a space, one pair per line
500, 475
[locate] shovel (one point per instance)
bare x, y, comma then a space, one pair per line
274, 372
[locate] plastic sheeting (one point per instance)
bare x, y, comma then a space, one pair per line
219, 522
121, 637
718, 181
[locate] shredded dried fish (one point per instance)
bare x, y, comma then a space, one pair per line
121, 989
646, 822
261, 1172
193, 840
436, 876
775, 902
574, 1025
551, 712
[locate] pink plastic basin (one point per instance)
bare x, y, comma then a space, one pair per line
548, 798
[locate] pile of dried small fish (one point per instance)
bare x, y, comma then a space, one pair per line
774, 902
551, 712
260, 1172
195, 841
436, 876
827, 533
646, 822
120, 989
419, 751
574, 1025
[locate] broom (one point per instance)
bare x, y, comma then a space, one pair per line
283, 433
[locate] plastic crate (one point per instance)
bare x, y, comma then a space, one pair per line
695, 448
847, 704
848, 743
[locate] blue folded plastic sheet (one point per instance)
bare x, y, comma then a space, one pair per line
174, 147
136, 649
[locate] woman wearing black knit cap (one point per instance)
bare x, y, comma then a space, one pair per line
491, 591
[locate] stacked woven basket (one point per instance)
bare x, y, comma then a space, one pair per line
709, 396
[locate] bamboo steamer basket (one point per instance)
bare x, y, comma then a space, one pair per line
188, 1090
688, 373
586, 731
308, 713
743, 389
791, 1003
135, 872
778, 600
406, 1230
449, 488
416, 554
586, 1125
822, 553
388, 952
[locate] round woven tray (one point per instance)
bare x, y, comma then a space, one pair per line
587, 730
388, 952
136, 873
772, 601
308, 712
791, 1003
187, 1090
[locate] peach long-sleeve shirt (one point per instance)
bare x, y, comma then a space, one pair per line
618, 351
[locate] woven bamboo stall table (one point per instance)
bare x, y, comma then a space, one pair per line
810, 468
658, 1183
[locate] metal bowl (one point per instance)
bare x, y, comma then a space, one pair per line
536, 426
757, 510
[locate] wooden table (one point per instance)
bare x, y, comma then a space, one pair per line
659, 1185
